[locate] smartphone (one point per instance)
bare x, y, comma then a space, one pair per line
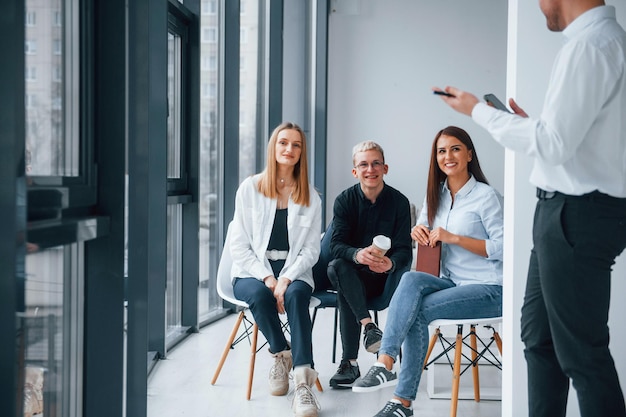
443, 93
495, 102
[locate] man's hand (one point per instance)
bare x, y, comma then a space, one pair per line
463, 102
371, 257
517, 109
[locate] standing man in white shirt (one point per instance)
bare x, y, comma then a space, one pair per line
579, 149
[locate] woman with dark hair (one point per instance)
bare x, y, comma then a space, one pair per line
463, 213
274, 245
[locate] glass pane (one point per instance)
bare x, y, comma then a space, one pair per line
249, 81
173, 291
174, 96
50, 72
52, 333
208, 299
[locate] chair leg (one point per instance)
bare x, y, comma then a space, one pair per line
318, 384
229, 345
474, 346
335, 335
456, 376
255, 335
496, 337
431, 345
313, 318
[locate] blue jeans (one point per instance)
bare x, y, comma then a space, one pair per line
566, 305
263, 306
419, 299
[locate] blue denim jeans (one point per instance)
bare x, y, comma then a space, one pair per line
419, 299
263, 306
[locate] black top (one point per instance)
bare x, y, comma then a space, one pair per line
279, 239
356, 221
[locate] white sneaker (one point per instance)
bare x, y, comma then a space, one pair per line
304, 402
279, 373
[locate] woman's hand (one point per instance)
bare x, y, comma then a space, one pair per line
439, 234
279, 293
270, 282
421, 234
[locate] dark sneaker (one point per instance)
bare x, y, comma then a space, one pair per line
345, 376
394, 408
372, 336
376, 378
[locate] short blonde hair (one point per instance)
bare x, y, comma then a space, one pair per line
367, 145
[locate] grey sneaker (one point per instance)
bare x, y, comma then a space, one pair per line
279, 373
345, 376
376, 378
394, 408
372, 337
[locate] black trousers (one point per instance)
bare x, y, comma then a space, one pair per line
355, 285
565, 313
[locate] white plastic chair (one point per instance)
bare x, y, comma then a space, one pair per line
251, 329
476, 352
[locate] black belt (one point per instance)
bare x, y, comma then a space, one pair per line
592, 196
545, 195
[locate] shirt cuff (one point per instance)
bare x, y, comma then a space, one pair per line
354, 256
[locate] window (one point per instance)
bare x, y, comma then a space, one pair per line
209, 7
30, 47
31, 74
208, 300
55, 151
209, 35
57, 47
251, 67
209, 63
31, 18
57, 18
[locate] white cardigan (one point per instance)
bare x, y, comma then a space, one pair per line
251, 228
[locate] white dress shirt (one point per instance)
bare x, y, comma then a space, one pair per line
579, 142
251, 228
476, 213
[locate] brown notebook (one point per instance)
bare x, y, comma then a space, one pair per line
428, 259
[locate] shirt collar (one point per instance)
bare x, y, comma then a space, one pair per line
469, 185
587, 18
362, 194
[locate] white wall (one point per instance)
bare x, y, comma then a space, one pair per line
383, 58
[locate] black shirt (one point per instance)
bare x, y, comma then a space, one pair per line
356, 221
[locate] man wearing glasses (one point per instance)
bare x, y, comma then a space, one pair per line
359, 270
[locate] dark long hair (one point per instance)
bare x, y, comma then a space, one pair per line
436, 176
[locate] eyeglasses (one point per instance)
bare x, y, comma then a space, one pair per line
376, 165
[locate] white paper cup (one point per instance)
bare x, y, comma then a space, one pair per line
382, 244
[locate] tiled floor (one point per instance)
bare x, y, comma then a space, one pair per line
181, 385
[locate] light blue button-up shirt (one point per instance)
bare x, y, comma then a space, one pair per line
477, 212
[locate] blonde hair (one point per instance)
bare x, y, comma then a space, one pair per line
267, 184
364, 146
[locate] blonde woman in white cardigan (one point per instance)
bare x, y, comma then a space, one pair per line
274, 245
